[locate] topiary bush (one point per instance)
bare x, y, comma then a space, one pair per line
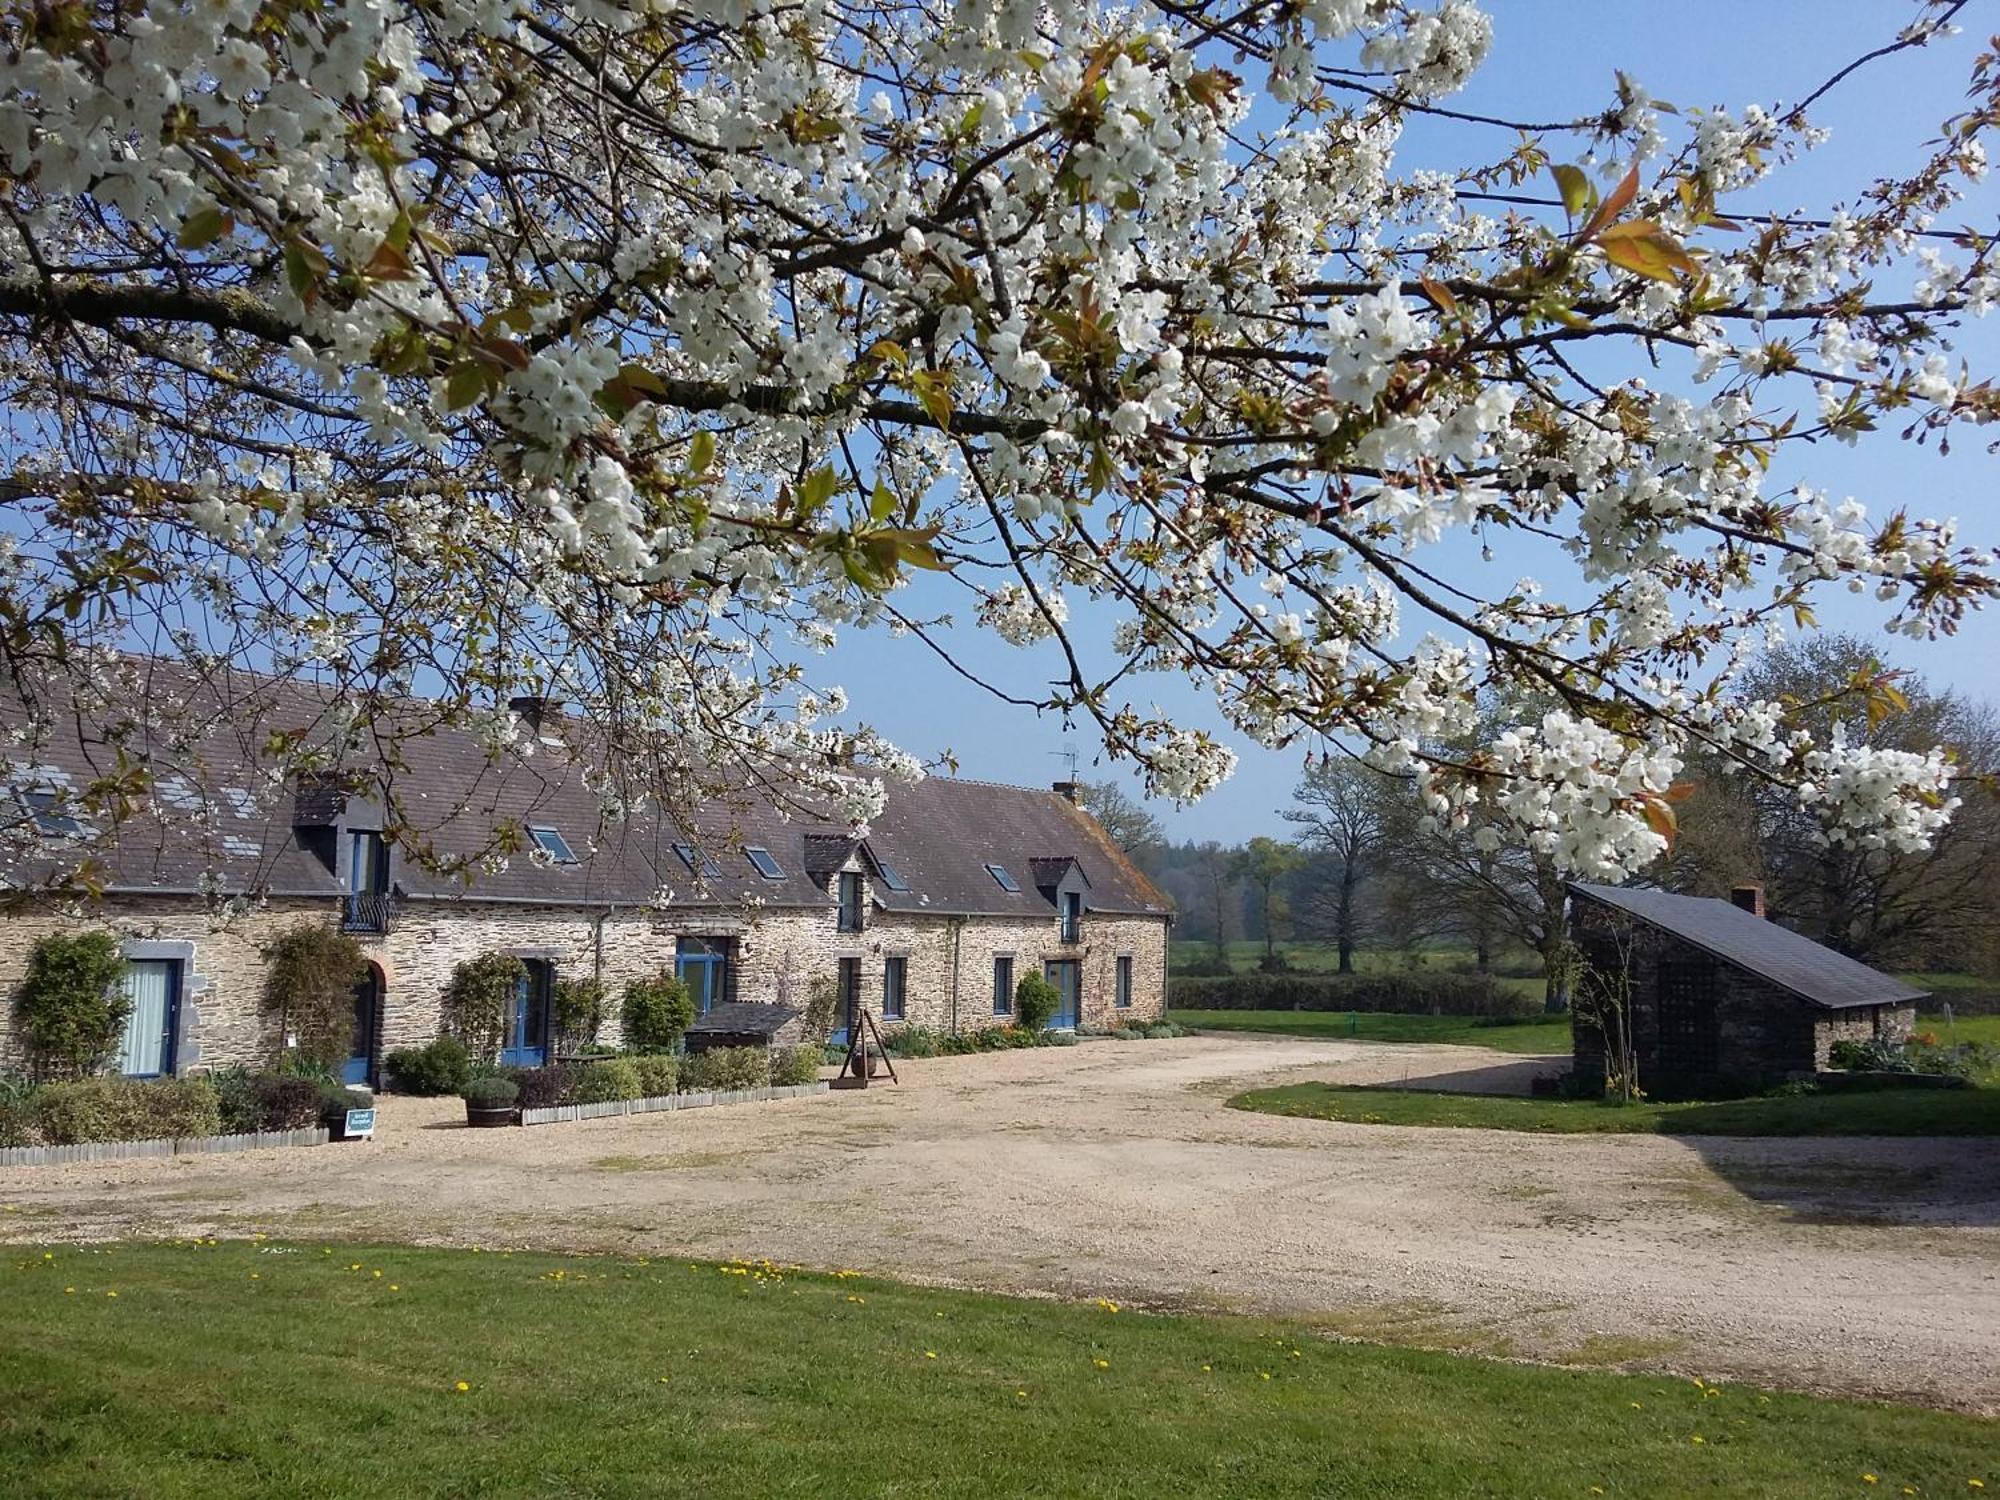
576, 1013
1035, 1002
726, 1069
443, 1067
125, 1109
70, 1010
1404, 992
309, 989
794, 1066
659, 1074
605, 1082
655, 1013
478, 1000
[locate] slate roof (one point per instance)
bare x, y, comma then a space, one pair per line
219, 822
1810, 970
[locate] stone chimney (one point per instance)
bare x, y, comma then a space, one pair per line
1750, 896
1073, 790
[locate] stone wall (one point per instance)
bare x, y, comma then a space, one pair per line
777, 954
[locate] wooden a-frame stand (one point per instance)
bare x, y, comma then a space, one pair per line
858, 1065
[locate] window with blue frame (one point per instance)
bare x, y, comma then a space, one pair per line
850, 900
1124, 991
551, 842
891, 876
762, 862
702, 964
1003, 984
1002, 879
895, 983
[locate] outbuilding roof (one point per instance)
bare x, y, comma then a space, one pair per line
217, 823
1810, 970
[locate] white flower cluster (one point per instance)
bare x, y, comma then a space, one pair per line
1873, 797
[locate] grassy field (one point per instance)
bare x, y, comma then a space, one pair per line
259, 1369
1887, 1112
1502, 1033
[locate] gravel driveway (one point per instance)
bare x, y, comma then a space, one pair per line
1113, 1169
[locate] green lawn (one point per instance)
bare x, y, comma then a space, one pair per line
1886, 1112
1505, 1034
261, 1370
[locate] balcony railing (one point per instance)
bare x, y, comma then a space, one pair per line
366, 912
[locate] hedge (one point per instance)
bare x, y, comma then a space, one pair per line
1405, 992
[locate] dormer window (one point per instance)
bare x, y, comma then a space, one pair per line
698, 863
50, 815
1005, 881
1072, 916
551, 842
850, 901
764, 864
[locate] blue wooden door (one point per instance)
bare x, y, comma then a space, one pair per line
1066, 974
360, 1064
527, 1042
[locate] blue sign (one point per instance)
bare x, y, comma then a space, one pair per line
360, 1124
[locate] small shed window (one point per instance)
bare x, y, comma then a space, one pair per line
891, 877
1002, 878
553, 844
765, 864
1124, 991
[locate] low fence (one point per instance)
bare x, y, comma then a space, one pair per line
192, 1145
558, 1113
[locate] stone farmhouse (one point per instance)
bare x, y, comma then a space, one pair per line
1718, 999
956, 891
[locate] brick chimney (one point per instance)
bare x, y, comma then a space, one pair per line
1750, 896
1073, 790
537, 711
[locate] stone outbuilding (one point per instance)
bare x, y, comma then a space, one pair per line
1718, 1000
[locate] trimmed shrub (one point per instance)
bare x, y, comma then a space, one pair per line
285, 1103
1061, 1039
1035, 1002
125, 1109
794, 1066
1411, 992
725, 1069
477, 1001
659, 1074
444, 1067
604, 1082
655, 1013
491, 1092
544, 1088
576, 1013
71, 1008
309, 989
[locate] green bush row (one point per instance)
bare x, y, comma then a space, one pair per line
651, 1075
87, 1110
1404, 992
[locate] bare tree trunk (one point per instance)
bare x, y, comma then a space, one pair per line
1344, 916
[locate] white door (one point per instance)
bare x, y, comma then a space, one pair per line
148, 1050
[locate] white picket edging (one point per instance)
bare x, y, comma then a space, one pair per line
191, 1145
557, 1114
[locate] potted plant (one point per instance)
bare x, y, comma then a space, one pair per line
491, 1101
335, 1100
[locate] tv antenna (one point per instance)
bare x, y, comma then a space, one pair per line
1067, 753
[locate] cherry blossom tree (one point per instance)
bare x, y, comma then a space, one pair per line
634, 353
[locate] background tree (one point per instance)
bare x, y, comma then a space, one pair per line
1342, 811
1262, 864
1132, 828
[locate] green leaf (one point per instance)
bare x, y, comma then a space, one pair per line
1102, 468
817, 489
1575, 188
933, 393
881, 504
914, 546
701, 452
467, 383
1642, 246
638, 378
203, 227
304, 267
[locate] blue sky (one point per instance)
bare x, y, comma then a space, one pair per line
1549, 61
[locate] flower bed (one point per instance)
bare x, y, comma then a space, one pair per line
107, 1117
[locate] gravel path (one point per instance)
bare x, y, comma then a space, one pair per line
1867, 1267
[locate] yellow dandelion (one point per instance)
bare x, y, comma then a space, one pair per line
1698, 1438
254, 1276
355, 1266
1909, 1489
1264, 1374
378, 1275
930, 1354
393, 1287
1206, 1370
1634, 1405
666, 1379
111, 1294
1868, 1479
1597, 1489
1102, 1364
48, 1255
463, 1385
70, 1290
